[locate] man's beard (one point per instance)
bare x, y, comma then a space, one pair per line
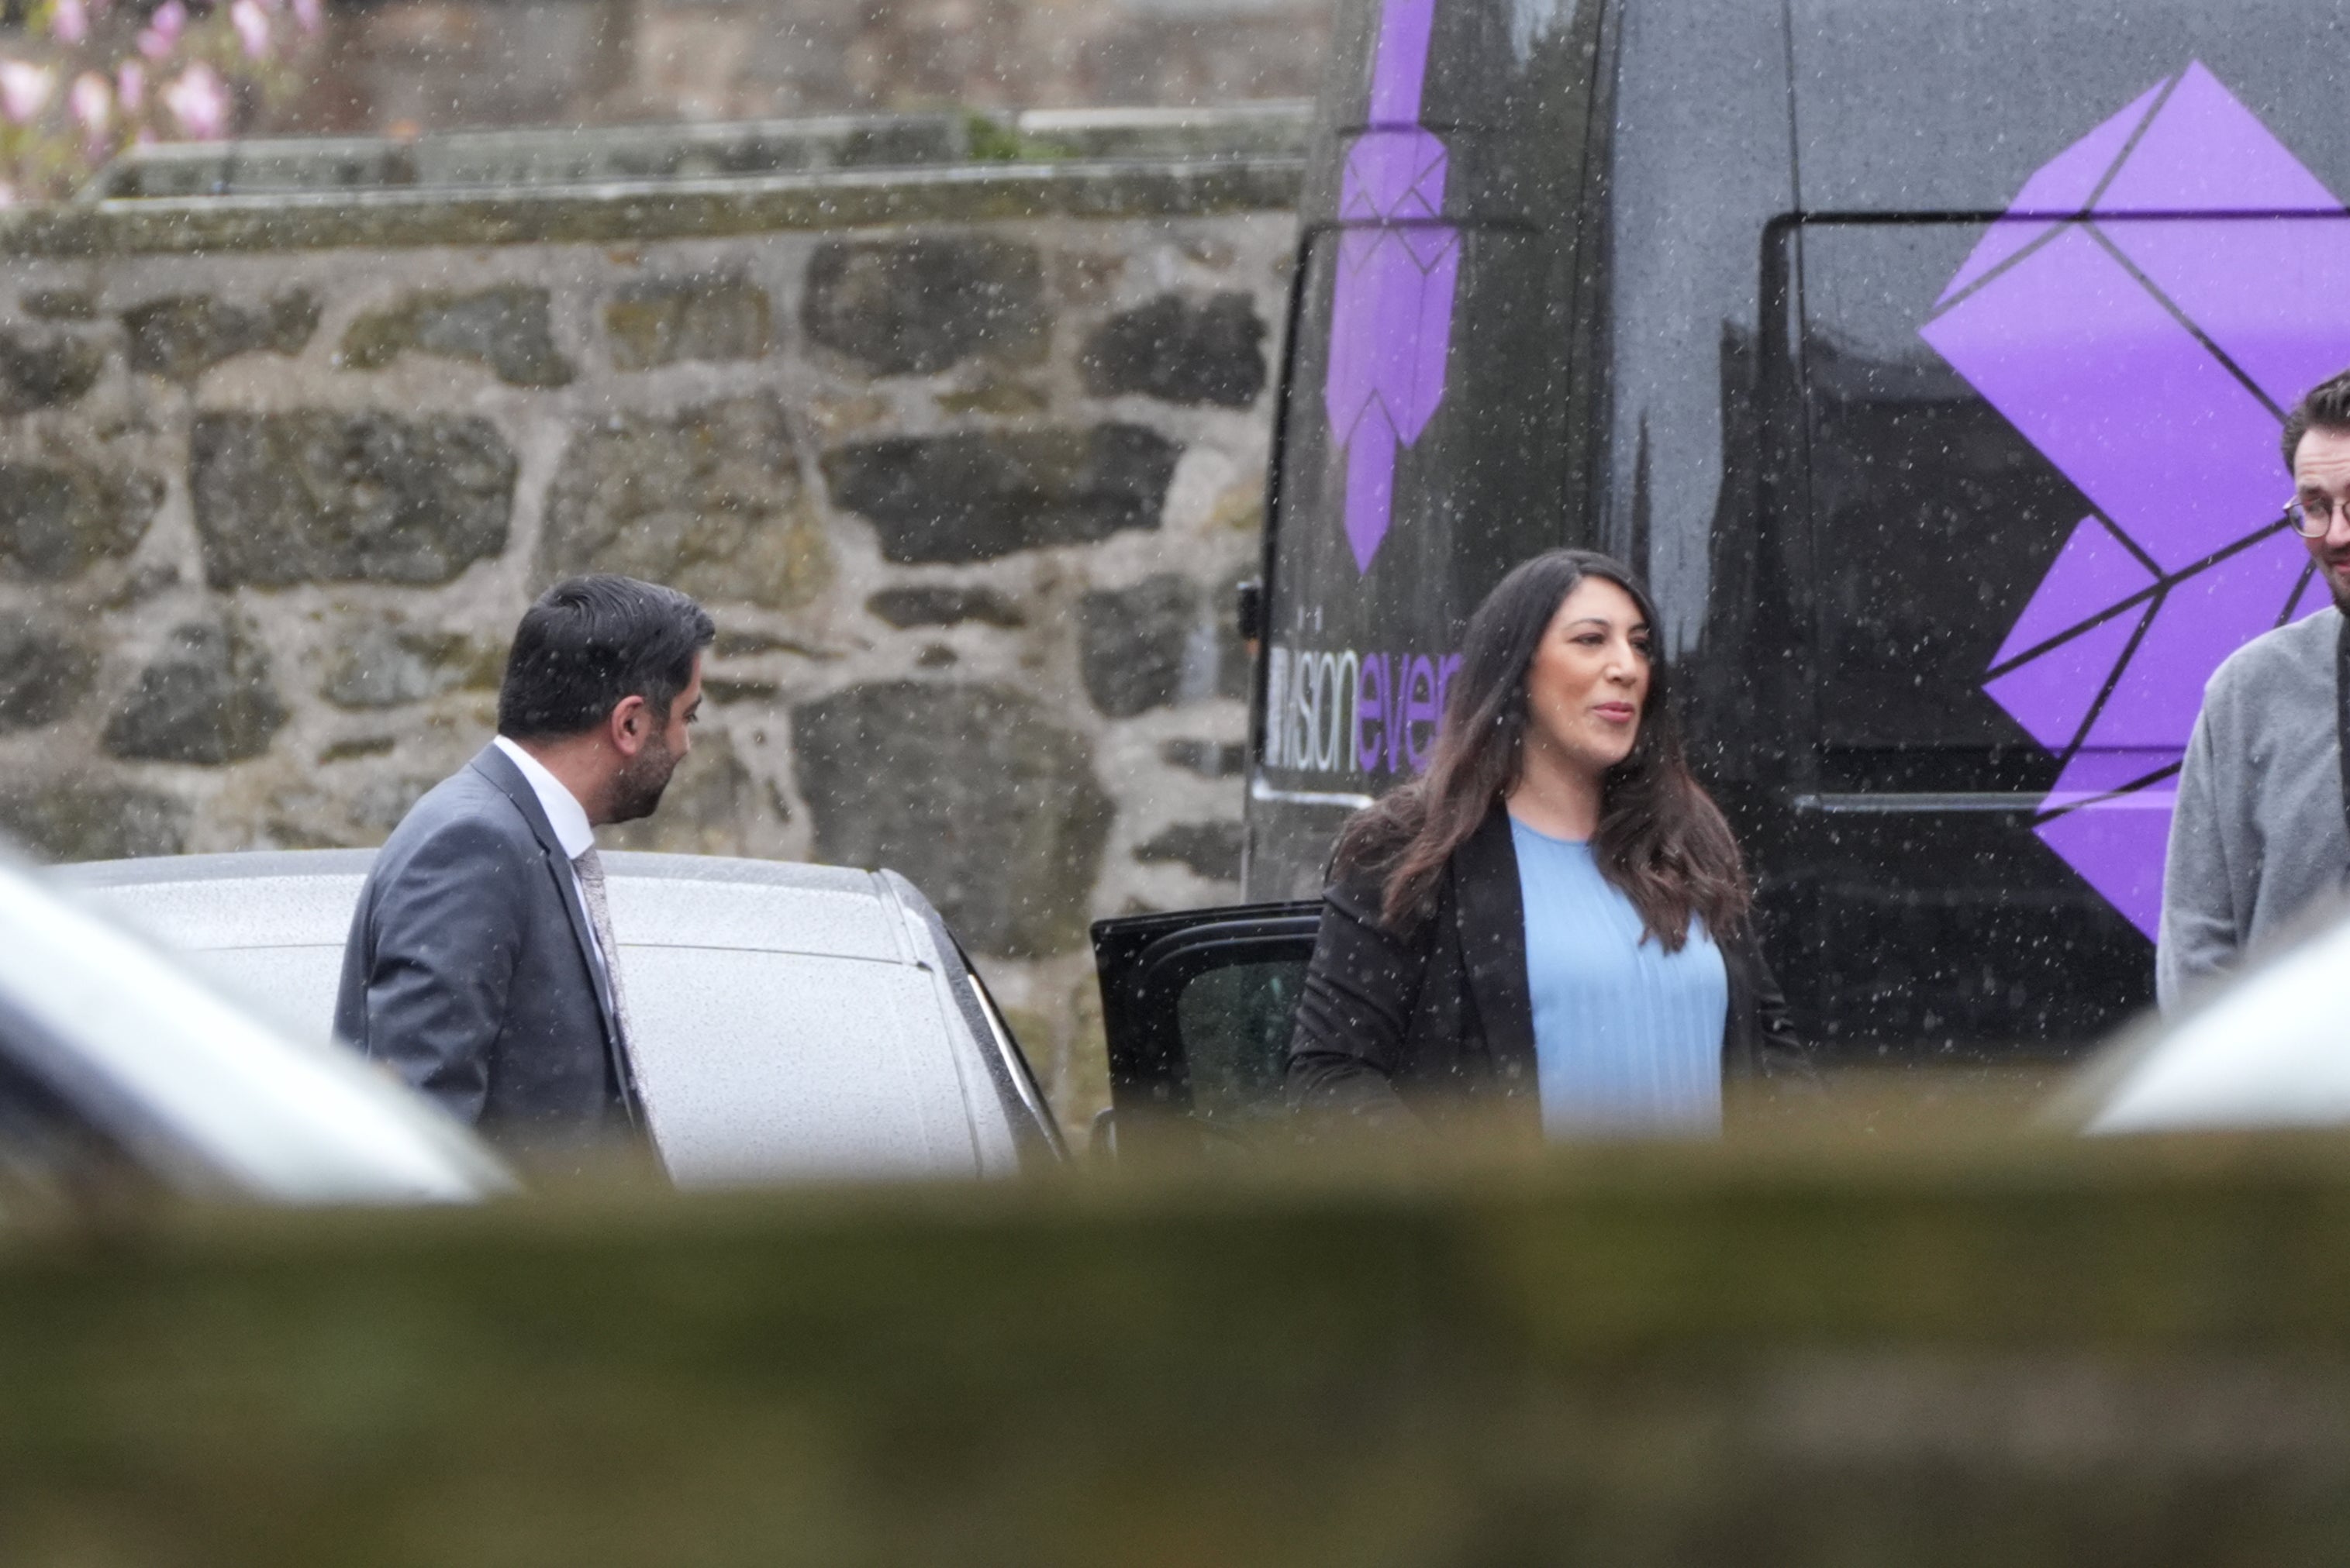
638, 789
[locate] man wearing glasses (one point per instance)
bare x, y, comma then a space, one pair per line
2260, 831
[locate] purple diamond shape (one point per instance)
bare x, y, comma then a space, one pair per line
2095, 571
2065, 185
2050, 695
1399, 271
2146, 348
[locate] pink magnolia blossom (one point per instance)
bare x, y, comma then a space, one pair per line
252, 26
24, 90
70, 21
164, 28
7, 195
311, 14
199, 101
130, 86
92, 103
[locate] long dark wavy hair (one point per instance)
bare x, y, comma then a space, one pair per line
1661, 838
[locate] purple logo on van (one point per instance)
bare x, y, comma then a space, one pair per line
2147, 347
1392, 314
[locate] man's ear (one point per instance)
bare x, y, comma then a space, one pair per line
630, 725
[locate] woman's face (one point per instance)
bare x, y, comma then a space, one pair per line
1589, 679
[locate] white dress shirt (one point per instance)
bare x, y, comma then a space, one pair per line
569, 820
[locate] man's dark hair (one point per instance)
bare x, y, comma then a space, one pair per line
589, 642
2325, 405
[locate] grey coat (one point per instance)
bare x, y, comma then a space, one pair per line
2257, 838
471, 971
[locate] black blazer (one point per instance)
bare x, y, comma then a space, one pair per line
1441, 1013
469, 969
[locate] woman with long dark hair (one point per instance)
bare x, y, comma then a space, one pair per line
1554, 916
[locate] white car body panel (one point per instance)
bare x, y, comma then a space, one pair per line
789, 1021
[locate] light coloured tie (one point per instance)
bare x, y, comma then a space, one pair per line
589, 870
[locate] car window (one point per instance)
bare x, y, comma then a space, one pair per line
1235, 1022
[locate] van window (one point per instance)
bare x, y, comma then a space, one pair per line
2043, 501
1930, 522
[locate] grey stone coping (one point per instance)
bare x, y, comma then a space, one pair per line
653, 209
746, 149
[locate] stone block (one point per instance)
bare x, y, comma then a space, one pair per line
59, 518
92, 819
505, 328
60, 304
45, 673
1180, 351
46, 370
383, 664
184, 335
1133, 644
977, 495
737, 642
725, 689
207, 698
350, 748
915, 306
944, 604
663, 320
367, 497
378, 804
709, 501
996, 395
1210, 850
972, 791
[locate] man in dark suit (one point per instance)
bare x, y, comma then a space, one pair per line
481, 964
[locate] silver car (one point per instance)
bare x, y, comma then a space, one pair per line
788, 1022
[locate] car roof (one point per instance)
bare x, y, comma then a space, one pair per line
267, 896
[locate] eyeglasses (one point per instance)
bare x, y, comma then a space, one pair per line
2314, 519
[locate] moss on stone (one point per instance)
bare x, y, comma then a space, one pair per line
92, 818
399, 219
62, 515
46, 370
183, 336
709, 501
665, 320
206, 698
506, 328
45, 671
365, 497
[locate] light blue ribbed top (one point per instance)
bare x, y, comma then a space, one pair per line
1628, 1037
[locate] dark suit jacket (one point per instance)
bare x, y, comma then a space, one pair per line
1441, 1015
470, 968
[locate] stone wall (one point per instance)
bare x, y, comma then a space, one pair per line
968, 498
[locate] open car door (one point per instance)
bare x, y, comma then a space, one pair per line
1197, 1007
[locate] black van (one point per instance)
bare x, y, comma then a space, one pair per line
1928, 357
